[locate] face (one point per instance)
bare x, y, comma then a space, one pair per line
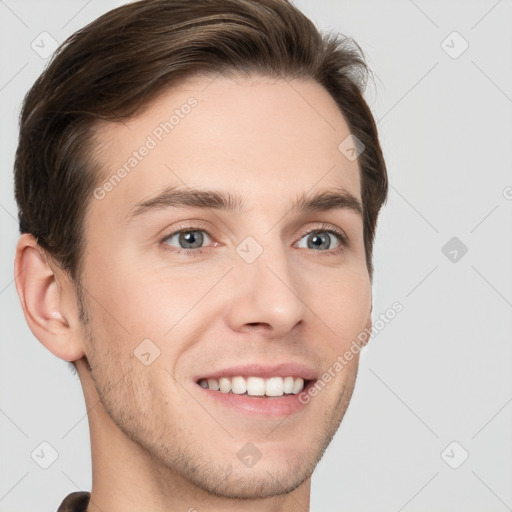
204, 262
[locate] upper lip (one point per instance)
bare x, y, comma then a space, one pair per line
264, 371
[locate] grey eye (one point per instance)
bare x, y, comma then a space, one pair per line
192, 239
319, 240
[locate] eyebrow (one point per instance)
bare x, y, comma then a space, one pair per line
333, 199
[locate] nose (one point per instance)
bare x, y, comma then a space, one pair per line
266, 295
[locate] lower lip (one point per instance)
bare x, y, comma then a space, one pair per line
259, 406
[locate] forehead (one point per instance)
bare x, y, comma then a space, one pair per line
266, 140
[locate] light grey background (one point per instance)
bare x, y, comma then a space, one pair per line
441, 370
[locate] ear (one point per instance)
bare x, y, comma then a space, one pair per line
48, 300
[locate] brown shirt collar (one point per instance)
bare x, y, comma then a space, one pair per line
75, 502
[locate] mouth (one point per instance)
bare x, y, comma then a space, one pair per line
257, 398
259, 390
257, 387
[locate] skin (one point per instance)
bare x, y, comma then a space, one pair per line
156, 445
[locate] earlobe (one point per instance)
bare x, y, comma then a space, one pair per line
45, 301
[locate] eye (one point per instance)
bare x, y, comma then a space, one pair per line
187, 240
323, 238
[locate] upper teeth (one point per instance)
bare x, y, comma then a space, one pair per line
255, 386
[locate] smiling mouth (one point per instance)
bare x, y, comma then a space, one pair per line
256, 387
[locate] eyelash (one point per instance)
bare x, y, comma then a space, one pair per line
326, 228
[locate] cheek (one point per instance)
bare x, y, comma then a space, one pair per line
138, 312
140, 302
344, 305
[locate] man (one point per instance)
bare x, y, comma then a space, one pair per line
198, 185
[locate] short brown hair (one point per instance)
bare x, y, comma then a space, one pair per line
117, 64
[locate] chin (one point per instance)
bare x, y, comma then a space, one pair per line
265, 481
